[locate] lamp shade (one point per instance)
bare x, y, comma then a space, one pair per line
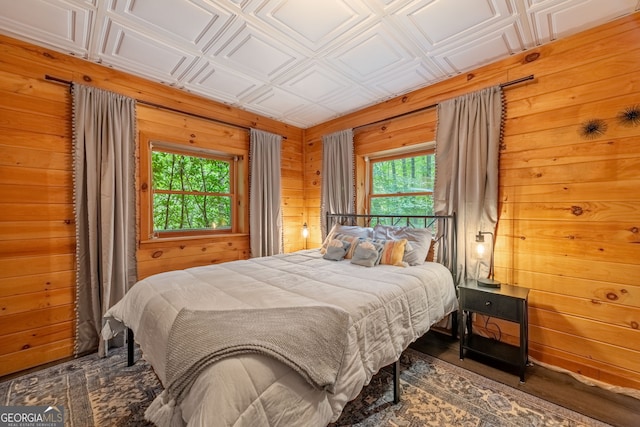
488, 282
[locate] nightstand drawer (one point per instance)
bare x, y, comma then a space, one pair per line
493, 305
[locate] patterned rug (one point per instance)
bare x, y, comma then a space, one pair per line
105, 392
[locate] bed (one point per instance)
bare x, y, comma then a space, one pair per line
287, 339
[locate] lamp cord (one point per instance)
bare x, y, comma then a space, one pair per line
497, 335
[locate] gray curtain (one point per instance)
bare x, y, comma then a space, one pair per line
104, 202
468, 137
338, 194
265, 215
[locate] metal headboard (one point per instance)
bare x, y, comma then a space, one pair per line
443, 228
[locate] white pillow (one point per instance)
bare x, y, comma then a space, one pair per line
419, 239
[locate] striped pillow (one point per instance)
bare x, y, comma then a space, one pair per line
392, 252
352, 230
352, 240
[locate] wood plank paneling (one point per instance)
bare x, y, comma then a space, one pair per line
38, 355
25, 139
568, 224
38, 247
13, 286
37, 225
14, 343
568, 218
29, 302
18, 175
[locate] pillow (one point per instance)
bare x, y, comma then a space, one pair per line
353, 230
367, 253
352, 240
336, 250
420, 241
393, 252
431, 256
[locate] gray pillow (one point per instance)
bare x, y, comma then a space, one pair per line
366, 256
351, 230
336, 253
419, 241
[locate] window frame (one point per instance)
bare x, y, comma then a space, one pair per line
371, 160
157, 145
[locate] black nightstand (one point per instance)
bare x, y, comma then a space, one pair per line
508, 303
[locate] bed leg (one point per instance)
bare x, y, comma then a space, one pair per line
454, 325
396, 381
130, 355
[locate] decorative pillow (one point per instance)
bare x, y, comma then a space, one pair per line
367, 253
352, 240
353, 230
431, 256
393, 252
336, 250
420, 240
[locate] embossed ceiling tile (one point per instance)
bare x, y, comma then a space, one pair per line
370, 54
554, 20
435, 22
414, 78
194, 22
253, 52
240, 3
314, 24
220, 83
274, 102
352, 99
312, 114
313, 81
279, 57
141, 54
481, 50
60, 25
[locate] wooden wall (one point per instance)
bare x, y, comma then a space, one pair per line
37, 230
568, 214
569, 218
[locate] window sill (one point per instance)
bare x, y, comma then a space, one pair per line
198, 237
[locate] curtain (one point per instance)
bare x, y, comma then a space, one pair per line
338, 195
468, 136
265, 219
104, 204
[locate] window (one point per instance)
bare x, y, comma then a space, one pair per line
192, 192
402, 185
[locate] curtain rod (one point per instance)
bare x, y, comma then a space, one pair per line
164, 107
428, 107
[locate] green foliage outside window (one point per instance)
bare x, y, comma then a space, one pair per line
190, 192
403, 186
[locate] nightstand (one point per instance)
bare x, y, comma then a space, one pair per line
508, 303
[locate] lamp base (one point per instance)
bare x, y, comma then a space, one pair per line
488, 283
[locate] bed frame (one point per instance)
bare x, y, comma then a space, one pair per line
443, 227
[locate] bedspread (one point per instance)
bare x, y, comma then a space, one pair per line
389, 307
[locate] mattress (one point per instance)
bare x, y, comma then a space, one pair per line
389, 307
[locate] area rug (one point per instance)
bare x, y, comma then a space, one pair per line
105, 392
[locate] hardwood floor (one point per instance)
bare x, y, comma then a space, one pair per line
562, 389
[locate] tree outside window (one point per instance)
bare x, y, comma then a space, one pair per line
192, 192
402, 185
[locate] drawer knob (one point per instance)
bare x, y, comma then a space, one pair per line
488, 303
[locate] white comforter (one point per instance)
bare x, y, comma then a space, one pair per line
390, 307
